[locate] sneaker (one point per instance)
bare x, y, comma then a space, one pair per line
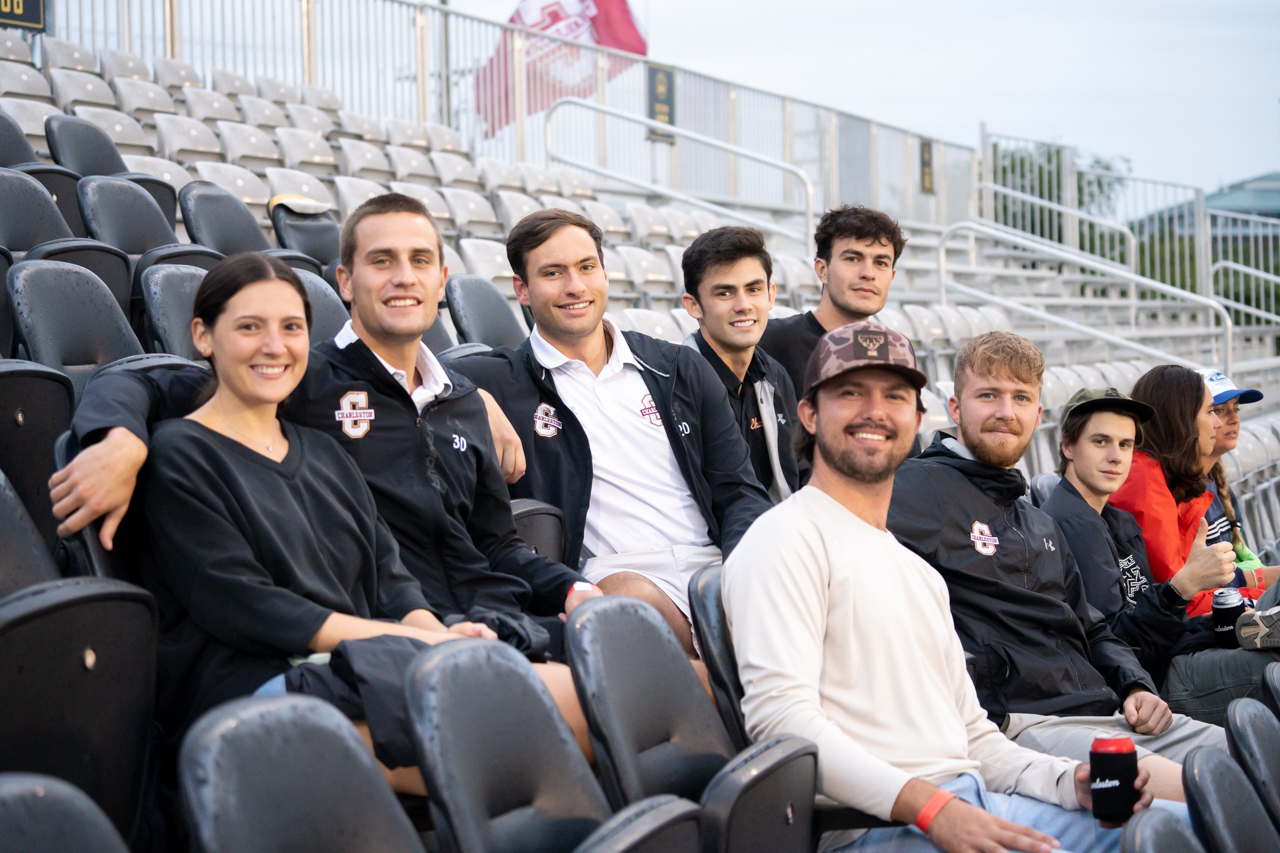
1259, 629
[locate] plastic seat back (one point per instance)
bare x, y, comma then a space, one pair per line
647, 225
353, 192
13, 48
124, 132
35, 408
81, 652
1226, 814
249, 147
539, 180
608, 220
407, 134
275, 91
142, 99
306, 151
712, 628
684, 228
498, 174
82, 146
211, 107
306, 117
445, 138
652, 725
314, 234
176, 77
23, 81
169, 294
158, 167
575, 185
488, 258
412, 165
67, 319
511, 778
261, 775
1253, 737
1042, 486
122, 214
456, 171
480, 312
186, 140
75, 88
1158, 831
561, 203
320, 98
25, 560
362, 126
29, 216
59, 53
262, 113
28, 117
434, 202
541, 526
121, 63
217, 219
514, 206
42, 814
360, 159
328, 314
232, 84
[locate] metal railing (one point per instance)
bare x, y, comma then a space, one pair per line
1081, 259
1025, 207
424, 62
1253, 300
805, 237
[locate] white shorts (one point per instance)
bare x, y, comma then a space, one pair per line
670, 569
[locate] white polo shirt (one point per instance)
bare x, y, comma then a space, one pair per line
435, 382
639, 498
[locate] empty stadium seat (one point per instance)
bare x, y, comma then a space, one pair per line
454, 262
211, 107
241, 183
480, 312
186, 140
176, 77
328, 314
1253, 738
655, 324
1042, 486
23, 81
13, 48
684, 228
655, 731
120, 63
81, 652
143, 100
231, 84
411, 165
434, 202
1225, 812
651, 274
575, 185
622, 288
275, 91
243, 759
361, 127
407, 134
445, 138
685, 321
359, 159
262, 113
648, 227
1091, 376
219, 220
306, 151
16, 153
35, 406
514, 206
1158, 831
999, 320
249, 147
353, 192
472, 215
295, 182
58, 53
313, 234
561, 203
75, 88
86, 149
608, 220
539, 180
456, 171
803, 285
125, 133
541, 526
32, 229
43, 814
498, 174
158, 167
30, 116
321, 99
515, 779
319, 122
977, 321
954, 323
169, 296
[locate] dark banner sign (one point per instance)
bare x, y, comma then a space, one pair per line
23, 14
662, 101
926, 166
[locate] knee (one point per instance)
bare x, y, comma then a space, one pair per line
632, 585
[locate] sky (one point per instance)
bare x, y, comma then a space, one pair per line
1187, 90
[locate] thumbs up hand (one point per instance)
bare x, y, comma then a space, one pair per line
1208, 566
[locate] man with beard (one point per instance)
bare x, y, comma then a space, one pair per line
1048, 670
844, 637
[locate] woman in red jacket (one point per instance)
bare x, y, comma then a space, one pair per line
1166, 490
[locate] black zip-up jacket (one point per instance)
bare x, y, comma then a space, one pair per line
1017, 598
695, 412
1108, 547
435, 476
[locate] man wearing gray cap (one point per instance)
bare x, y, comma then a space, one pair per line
845, 637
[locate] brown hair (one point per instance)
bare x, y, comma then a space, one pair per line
1171, 438
1219, 475
999, 354
1073, 427
536, 228
719, 247
377, 206
860, 223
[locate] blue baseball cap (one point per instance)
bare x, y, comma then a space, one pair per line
1223, 389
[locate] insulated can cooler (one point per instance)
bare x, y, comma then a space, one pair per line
1113, 768
1228, 604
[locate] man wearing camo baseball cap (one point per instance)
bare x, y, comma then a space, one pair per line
861, 345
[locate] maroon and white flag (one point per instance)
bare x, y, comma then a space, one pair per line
554, 69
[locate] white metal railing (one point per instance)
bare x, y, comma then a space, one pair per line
1024, 206
1247, 293
422, 61
1246, 258
1081, 259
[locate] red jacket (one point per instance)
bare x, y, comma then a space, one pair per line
1168, 527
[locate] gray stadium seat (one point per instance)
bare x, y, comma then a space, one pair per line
310, 118
13, 48
1253, 738
315, 234
434, 201
706, 220
211, 107
562, 203
124, 131
779, 312
683, 227
362, 127
480, 311
121, 63
275, 91
407, 134
186, 140
43, 814
74, 88
456, 171
166, 170
84, 148
685, 321
23, 81
218, 219
803, 283
673, 255
1071, 381
17, 153
1158, 831
249, 147
1226, 814
169, 295
1000, 321
321, 99
231, 84
36, 404
1091, 376
176, 77
651, 273
69, 55
978, 322
575, 185
539, 180
655, 324
358, 159
607, 219
893, 318
454, 262
305, 151
472, 215
622, 287
259, 112
412, 165
142, 99
294, 182
648, 227
957, 328
328, 314
498, 174
241, 183
514, 206
445, 138
30, 116
353, 192
488, 260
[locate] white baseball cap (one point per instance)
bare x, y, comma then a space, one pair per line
1223, 389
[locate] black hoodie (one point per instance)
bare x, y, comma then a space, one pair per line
1017, 598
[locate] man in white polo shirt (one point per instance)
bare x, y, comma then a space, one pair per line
632, 438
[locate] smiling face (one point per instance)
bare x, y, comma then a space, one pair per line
258, 344
857, 277
997, 416
733, 304
1227, 434
396, 278
864, 423
1100, 458
566, 286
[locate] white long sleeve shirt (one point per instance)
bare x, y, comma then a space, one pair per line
845, 637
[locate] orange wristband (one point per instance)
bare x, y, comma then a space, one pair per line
939, 799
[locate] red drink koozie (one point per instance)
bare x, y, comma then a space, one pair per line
1113, 768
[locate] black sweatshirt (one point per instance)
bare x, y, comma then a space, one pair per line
791, 340
249, 557
434, 475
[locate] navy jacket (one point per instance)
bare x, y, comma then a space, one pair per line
435, 476
709, 448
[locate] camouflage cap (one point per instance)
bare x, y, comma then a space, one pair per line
860, 345
1091, 399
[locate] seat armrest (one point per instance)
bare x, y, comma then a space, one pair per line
663, 823
297, 260
765, 794
462, 351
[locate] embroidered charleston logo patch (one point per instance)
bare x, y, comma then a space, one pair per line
983, 542
649, 411
545, 423
354, 414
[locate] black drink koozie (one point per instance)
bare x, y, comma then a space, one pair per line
1113, 768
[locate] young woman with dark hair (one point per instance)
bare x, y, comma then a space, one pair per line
266, 546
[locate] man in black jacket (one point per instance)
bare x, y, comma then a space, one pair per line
1048, 669
419, 432
729, 291
632, 438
